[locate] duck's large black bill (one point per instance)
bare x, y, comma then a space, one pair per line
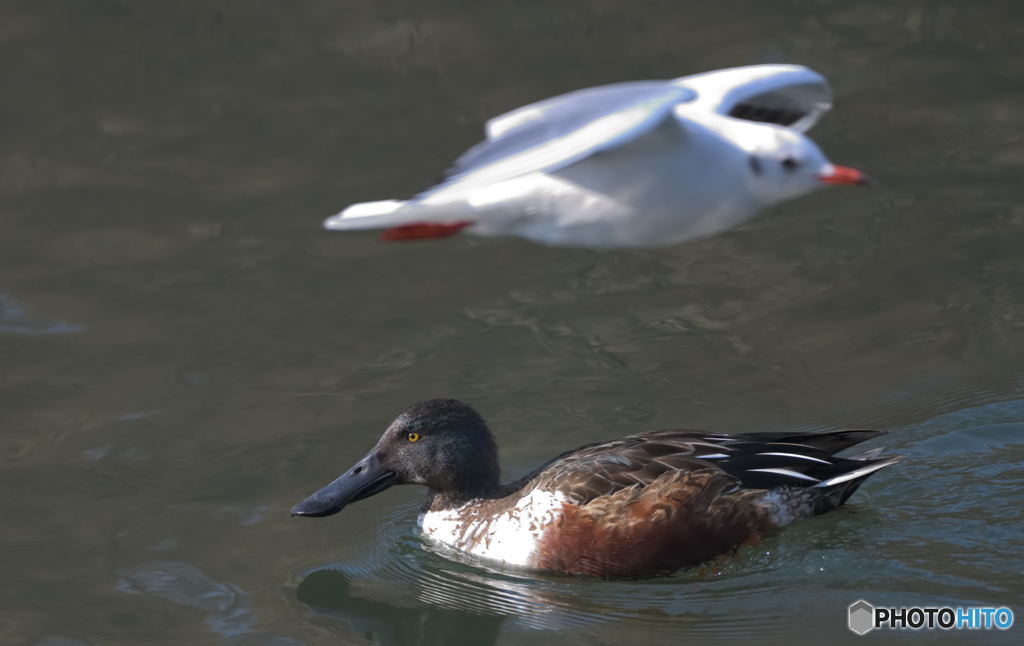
363, 480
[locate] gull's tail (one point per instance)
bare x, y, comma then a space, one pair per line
368, 215
401, 220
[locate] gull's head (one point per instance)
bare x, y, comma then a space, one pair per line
784, 164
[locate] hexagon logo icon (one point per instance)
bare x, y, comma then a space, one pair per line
861, 617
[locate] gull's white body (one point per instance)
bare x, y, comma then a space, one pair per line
633, 164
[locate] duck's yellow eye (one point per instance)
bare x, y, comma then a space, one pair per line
412, 436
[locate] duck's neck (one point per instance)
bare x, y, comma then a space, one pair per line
440, 500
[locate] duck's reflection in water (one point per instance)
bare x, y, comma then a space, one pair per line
395, 620
429, 600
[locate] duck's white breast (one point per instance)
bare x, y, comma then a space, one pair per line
510, 537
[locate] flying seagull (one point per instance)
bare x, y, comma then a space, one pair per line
632, 164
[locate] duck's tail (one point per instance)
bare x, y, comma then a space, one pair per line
789, 503
835, 490
800, 473
400, 219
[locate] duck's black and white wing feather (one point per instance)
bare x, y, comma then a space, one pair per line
756, 461
768, 461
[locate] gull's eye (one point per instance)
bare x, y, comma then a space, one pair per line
412, 436
755, 164
790, 164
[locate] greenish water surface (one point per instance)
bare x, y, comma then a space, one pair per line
184, 353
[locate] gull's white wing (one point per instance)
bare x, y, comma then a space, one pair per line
788, 95
562, 130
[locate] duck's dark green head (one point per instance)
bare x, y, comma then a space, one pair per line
442, 444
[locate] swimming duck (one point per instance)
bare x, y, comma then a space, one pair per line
633, 164
643, 505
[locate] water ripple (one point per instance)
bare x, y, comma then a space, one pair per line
953, 461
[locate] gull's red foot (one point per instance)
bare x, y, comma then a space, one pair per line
423, 230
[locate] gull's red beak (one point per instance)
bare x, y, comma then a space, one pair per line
844, 175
